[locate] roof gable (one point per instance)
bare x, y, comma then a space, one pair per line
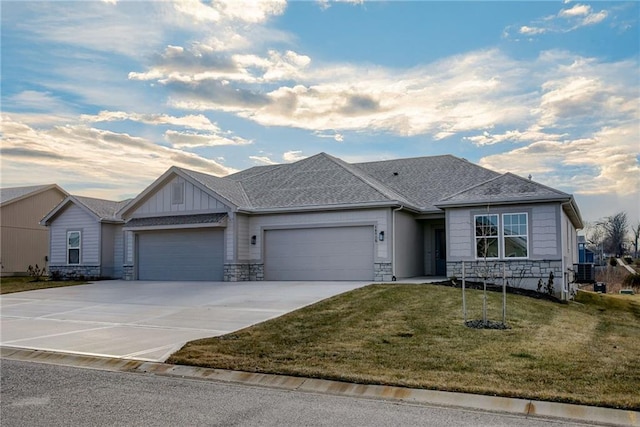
102, 210
506, 188
14, 194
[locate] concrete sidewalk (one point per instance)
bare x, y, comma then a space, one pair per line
524, 407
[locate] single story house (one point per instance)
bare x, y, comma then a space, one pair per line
24, 241
86, 238
322, 218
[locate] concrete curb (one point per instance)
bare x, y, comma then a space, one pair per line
590, 414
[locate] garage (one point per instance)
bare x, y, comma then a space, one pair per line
194, 254
330, 253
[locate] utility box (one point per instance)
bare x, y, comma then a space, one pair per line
626, 291
600, 287
585, 273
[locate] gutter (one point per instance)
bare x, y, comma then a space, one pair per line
393, 242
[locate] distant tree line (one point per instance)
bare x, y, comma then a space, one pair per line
611, 236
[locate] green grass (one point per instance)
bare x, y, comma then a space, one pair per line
408, 335
10, 285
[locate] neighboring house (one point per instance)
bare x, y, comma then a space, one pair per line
24, 241
585, 255
86, 238
324, 219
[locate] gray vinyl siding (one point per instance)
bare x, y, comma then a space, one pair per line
544, 229
111, 265
195, 201
74, 218
118, 252
409, 243
243, 237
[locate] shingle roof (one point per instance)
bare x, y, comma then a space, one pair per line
427, 180
319, 180
103, 209
227, 188
8, 195
504, 188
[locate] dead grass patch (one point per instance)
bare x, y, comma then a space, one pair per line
408, 335
10, 285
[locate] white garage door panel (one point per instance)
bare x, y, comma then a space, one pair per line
196, 254
336, 253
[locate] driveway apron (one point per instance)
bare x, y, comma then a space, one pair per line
147, 320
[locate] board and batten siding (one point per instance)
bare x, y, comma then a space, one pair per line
195, 201
111, 265
380, 219
74, 218
544, 230
243, 237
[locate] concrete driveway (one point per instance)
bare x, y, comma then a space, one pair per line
147, 320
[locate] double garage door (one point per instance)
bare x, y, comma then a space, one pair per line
335, 253
196, 254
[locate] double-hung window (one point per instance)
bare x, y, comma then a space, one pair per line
487, 236
505, 236
73, 247
515, 235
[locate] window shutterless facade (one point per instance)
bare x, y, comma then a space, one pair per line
502, 237
74, 239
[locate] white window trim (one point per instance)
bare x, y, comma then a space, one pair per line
504, 237
79, 247
476, 237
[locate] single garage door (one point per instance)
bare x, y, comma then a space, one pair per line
336, 253
196, 254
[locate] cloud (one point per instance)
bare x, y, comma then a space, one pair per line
604, 163
338, 137
252, 12
192, 140
264, 160
293, 156
74, 154
531, 30
566, 20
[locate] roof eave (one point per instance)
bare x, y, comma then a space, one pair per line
491, 202
341, 206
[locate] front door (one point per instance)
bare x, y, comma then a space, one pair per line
441, 252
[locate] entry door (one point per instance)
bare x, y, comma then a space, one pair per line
441, 252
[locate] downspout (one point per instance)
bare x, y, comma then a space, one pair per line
393, 242
565, 286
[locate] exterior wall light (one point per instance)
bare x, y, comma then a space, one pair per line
253, 239
381, 236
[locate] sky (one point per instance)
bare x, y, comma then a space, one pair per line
102, 97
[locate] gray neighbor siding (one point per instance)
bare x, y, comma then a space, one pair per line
76, 219
548, 226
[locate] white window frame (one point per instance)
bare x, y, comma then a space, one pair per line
505, 236
79, 247
476, 237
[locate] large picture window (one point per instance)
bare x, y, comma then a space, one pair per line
515, 234
487, 236
73, 247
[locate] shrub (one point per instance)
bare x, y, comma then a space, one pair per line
628, 260
632, 280
613, 262
35, 273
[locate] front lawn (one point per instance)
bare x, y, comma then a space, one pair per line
10, 285
409, 335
